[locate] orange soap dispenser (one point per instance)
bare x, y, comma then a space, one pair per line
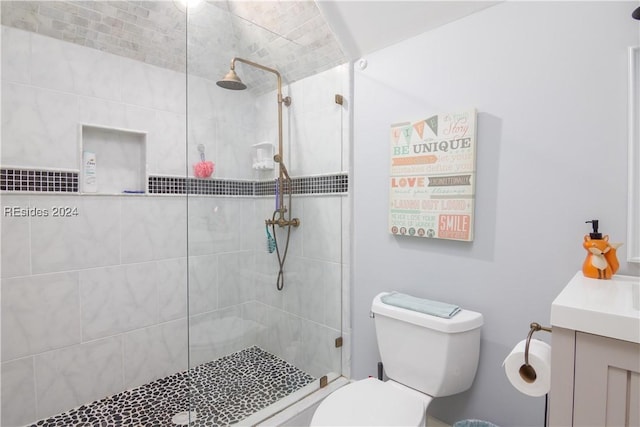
601, 261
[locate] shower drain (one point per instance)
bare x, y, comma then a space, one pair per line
183, 418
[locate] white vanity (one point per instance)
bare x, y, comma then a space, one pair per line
595, 362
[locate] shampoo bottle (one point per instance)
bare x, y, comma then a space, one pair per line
601, 261
90, 177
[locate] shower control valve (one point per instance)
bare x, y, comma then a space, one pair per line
295, 222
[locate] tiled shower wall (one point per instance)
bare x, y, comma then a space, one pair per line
97, 303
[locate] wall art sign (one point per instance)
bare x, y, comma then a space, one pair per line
433, 177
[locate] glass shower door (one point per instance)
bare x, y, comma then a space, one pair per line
252, 345
94, 243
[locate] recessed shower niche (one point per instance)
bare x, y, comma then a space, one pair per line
113, 161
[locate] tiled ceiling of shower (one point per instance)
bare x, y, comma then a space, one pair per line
290, 36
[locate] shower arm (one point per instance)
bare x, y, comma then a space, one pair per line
282, 170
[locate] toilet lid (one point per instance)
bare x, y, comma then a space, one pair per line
369, 402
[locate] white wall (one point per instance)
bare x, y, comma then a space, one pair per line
549, 80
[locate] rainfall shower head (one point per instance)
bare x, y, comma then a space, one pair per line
231, 81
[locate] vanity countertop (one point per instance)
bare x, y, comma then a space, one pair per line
610, 308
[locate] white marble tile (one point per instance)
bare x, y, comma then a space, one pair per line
204, 96
153, 228
112, 114
317, 293
202, 222
346, 298
101, 112
203, 283
155, 352
39, 127
72, 68
235, 278
318, 146
285, 336
265, 125
18, 393
171, 282
321, 228
259, 313
332, 294
345, 206
222, 121
153, 87
16, 55
236, 132
347, 108
87, 240
15, 250
166, 145
118, 299
214, 225
76, 375
306, 283
346, 354
252, 234
320, 353
53, 62
346, 266
202, 131
266, 274
316, 124
218, 333
319, 89
39, 313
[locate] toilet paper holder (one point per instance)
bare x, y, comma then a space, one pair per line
527, 372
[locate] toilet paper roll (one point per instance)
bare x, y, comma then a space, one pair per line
539, 359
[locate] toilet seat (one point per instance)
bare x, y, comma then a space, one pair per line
370, 402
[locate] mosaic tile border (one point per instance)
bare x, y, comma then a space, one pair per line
221, 392
214, 187
321, 184
38, 180
67, 182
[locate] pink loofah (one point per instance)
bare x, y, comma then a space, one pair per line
203, 169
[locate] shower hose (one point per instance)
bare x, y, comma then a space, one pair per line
283, 257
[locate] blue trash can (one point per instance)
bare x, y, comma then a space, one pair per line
473, 423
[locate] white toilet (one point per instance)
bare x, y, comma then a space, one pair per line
424, 357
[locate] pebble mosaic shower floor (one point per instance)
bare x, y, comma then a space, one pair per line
222, 392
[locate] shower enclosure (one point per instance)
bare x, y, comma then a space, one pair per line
160, 283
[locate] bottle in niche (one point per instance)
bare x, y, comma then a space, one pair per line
601, 261
90, 177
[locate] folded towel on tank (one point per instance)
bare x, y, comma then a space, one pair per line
421, 305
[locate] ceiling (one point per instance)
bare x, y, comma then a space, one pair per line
298, 37
364, 26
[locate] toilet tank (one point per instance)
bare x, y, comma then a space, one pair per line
434, 355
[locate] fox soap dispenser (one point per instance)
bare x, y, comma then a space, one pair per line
601, 261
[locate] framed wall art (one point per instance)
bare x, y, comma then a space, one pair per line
432, 176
